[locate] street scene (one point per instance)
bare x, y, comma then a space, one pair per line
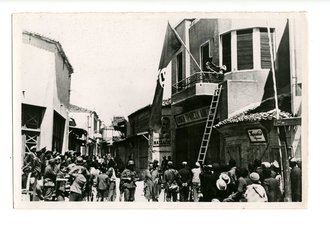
115, 108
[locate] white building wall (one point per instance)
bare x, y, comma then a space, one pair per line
40, 77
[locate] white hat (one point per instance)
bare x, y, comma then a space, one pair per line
275, 164
225, 178
221, 184
266, 164
254, 177
197, 164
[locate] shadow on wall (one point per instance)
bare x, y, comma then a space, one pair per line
282, 75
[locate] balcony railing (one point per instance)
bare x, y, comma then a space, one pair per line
198, 77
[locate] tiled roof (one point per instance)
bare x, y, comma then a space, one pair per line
247, 116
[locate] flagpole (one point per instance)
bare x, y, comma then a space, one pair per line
273, 71
177, 35
281, 132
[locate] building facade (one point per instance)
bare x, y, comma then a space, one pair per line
88, 128
246, 105
44, 86
138, 145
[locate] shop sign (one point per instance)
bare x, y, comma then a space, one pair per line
161, 142
192, 116
256, 135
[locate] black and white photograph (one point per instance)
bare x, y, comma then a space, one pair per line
160, 110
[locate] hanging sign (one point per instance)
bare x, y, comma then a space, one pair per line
256, 135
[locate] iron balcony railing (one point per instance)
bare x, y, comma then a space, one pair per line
198, 77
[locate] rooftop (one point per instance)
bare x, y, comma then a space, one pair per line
249, 116
75, 108
56, 43
166, 102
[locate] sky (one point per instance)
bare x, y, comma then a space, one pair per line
115, 56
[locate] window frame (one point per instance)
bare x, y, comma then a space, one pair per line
200, 52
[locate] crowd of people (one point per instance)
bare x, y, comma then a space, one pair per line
50, 176
260, 182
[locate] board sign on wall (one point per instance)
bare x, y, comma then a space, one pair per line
256, 135
192, 116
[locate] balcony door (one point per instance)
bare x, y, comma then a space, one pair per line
205, 55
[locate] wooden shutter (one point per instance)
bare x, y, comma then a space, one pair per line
244, 50
226, 51
264, 48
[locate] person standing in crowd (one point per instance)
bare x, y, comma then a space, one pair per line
206, 184
196, 182
255, 192
271, 186
164, 164
223, 192
94, 173
171, 179
148, 184
296, 185
238, 195
276, 173
156, 179
232, 174
112, 176
78, 185
128, 178
257, 168
185, 177
103, 184
49, 180
60, 185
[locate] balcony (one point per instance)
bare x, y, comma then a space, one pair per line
200, 85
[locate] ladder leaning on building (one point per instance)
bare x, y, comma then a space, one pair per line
209, 124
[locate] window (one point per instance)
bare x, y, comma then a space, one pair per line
32, 116
179, 67
226, 51
244, 50
264, 48
58, 132
205, 55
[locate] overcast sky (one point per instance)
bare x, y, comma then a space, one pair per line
115, 57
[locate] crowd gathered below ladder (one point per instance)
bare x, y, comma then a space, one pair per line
50, 176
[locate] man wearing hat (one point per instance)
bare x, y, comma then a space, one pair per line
127, 181
184, 181
255, 192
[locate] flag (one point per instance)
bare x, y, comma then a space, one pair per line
155, 122
171, 45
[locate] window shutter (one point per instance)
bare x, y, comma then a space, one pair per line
264, 48
244, 50
226, 51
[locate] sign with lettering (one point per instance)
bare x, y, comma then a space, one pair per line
160, 140
256, 135
192, 116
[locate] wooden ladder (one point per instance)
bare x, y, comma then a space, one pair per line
209, 125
